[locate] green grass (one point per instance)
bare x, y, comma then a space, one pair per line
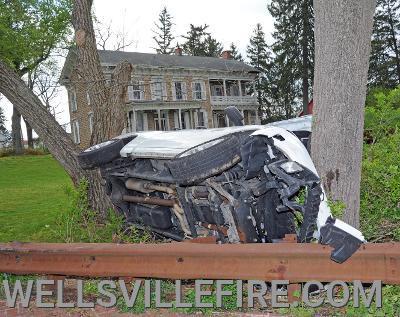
32, 195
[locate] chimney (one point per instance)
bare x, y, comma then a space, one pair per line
178, 51
226, 54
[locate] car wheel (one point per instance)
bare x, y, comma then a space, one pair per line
100, 154
234, 116
205, 160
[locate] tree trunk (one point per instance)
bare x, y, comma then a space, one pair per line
342, 45
29, 134
108, 103
53, 135
394, 41
16, 132
305, 55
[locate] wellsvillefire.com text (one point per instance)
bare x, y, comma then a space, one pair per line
249, 293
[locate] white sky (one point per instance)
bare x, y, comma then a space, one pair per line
229, 21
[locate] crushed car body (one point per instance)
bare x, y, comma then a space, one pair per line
241, 184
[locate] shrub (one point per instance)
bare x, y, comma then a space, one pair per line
380, 180
81, 224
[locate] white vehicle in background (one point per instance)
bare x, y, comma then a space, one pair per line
241, 184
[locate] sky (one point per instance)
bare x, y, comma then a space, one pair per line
229, 21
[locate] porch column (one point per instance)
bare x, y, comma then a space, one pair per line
240, 89
180, 118
133, 127
129, 122
225, 96
159, 119
257, 118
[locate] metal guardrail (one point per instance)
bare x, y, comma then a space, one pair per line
288, 261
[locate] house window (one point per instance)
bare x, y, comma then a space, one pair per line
178, 91
72, 100
75, 132
198, 91
90, 118
157, 89
88, 98
135, 91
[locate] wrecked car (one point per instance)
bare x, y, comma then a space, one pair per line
240, 184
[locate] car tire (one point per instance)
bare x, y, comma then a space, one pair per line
100, 154
208, 162
234, 115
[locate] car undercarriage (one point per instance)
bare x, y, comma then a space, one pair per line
246, 186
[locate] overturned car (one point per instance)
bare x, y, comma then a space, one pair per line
241, 184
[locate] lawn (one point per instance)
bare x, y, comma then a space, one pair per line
32, 194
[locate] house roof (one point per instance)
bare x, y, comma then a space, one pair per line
164, 61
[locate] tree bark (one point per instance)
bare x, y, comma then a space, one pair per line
108, 102
29, 133
342, 45
16, 132
305, 56
53, 135
394, 41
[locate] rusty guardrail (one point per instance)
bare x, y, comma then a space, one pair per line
289, 261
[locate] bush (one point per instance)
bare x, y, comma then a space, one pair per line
5, 152
81, 224
380, 180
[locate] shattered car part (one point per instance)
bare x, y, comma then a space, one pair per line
242, 184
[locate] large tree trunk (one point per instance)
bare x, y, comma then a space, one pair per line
305, 55
342, 45
56, 139
29, 134
16, 132
108, 102
394, 45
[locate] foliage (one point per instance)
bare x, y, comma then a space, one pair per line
235, 53
337, 208
390, 304
39, 25
292, 62
163, 35
259, 57
382, 117
81, 224
199, 42
380, 180
384, 67
5, 137
212, 48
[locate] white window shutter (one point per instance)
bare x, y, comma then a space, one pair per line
141, 87
130, 93
184, 91
203, 90
194, 90
173, 91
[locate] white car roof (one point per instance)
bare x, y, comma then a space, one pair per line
168, 144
